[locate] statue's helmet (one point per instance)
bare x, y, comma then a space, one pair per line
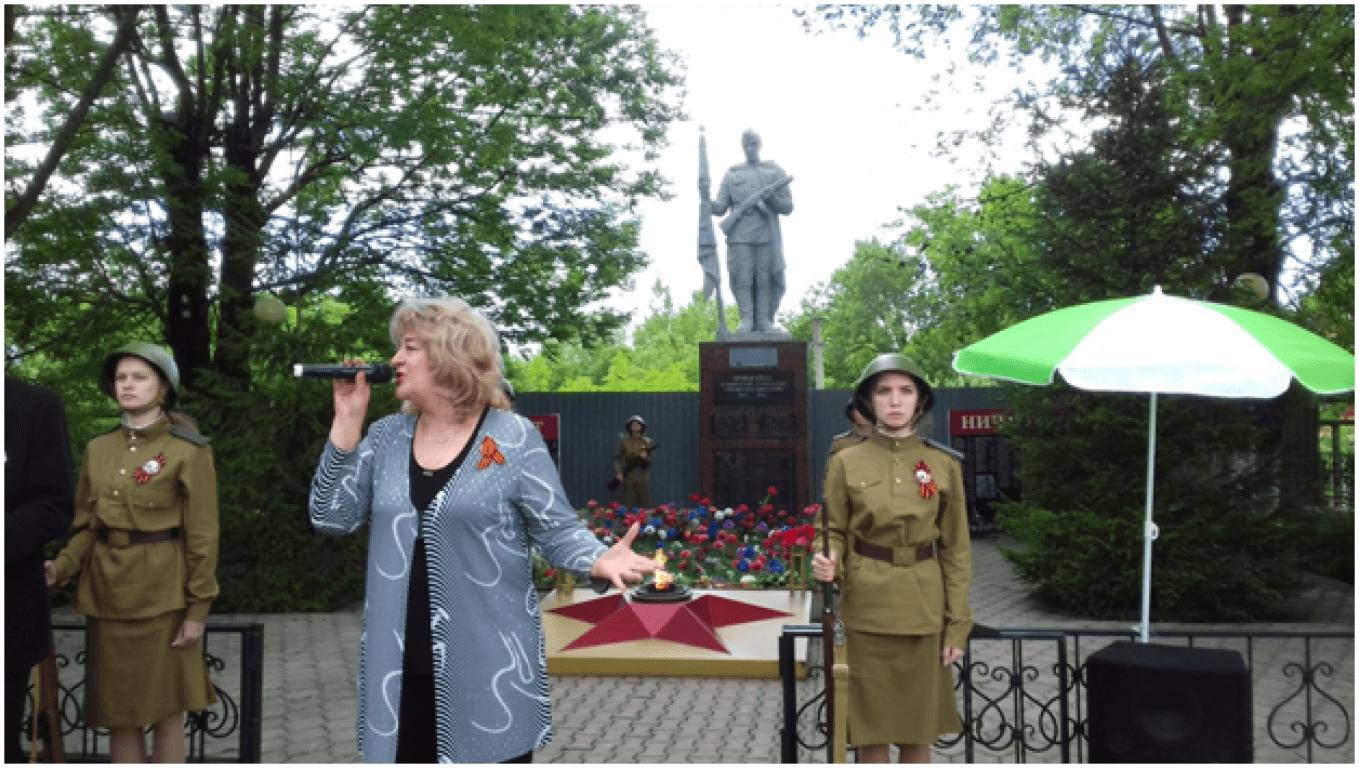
155, 355
890, 363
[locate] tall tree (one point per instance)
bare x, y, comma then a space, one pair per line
1271, 86
365, 153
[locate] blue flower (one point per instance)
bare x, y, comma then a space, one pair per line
659, 545
693, 515
762, 527
712, 530
775, 566
742, 565
672, 534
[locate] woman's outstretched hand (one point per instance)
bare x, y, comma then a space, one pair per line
620, 564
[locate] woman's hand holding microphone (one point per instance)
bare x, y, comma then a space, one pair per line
351, 406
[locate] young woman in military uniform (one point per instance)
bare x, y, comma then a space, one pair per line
632, 464
897, 519
145, 544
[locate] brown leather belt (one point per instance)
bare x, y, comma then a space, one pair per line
902, 556
121, 538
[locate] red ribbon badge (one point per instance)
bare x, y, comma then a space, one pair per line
150, 469
928, 488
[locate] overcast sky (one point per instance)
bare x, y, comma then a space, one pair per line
849, 119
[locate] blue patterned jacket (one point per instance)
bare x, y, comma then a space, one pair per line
490, 660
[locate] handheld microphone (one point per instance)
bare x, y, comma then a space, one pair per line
378, 373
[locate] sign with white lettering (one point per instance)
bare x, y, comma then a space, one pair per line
980, 422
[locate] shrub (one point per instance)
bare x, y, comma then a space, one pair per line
1228, 547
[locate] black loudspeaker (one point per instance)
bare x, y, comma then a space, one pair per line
1168, 704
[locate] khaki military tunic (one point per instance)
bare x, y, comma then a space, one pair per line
899, 615
144, 480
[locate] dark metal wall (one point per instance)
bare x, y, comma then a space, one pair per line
592, 423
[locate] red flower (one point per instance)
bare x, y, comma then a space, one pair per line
766, 509
757, 564
812, 509
614, 505
550, 572
686, 536
609, 515
803, 541
772, 491
593, 504
685, 554
694, 497
705, 501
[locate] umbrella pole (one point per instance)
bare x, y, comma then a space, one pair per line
1149, 530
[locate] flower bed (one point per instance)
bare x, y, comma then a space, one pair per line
708, 545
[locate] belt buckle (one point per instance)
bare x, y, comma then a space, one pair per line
118, 538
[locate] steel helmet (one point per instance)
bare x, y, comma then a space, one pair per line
627, 425
155, 355
888, 363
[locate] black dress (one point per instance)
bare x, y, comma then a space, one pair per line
417, 739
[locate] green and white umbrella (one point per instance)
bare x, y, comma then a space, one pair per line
1161, 345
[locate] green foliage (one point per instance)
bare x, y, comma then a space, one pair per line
871, 305
1328, 544
1267, 90
1228, 550
663, 355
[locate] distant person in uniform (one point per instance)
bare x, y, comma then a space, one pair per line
632, 464
145, 546
39, 504
855, 435
897, 520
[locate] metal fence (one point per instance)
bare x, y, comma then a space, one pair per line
1337, 462
229, 731
1021, 694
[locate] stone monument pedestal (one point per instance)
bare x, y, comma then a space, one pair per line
754, 431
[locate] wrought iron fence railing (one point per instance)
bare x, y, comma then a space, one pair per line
1021, 693
229, 731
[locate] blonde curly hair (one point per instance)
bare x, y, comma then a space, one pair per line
463, 348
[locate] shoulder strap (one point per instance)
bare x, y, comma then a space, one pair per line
184, 433
950, 450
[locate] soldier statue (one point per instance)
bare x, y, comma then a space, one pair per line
754, 194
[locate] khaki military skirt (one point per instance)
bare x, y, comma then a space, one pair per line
899, 691
133, 678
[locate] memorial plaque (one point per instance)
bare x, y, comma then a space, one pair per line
729, 426
772, 388
777, 425
753, 357
748, 473
754, 405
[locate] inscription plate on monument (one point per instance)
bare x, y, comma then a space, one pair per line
772, 388
777, 426
729, 426
747, 472
753, 357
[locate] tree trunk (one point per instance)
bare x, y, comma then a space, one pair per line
187, 323
245, 220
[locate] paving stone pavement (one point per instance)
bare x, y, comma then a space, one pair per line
311, 663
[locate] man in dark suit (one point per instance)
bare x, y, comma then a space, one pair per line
39, 506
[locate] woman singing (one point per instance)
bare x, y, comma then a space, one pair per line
897, 519
454, 490
145, 546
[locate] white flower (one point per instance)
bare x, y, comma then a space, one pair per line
650, 529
